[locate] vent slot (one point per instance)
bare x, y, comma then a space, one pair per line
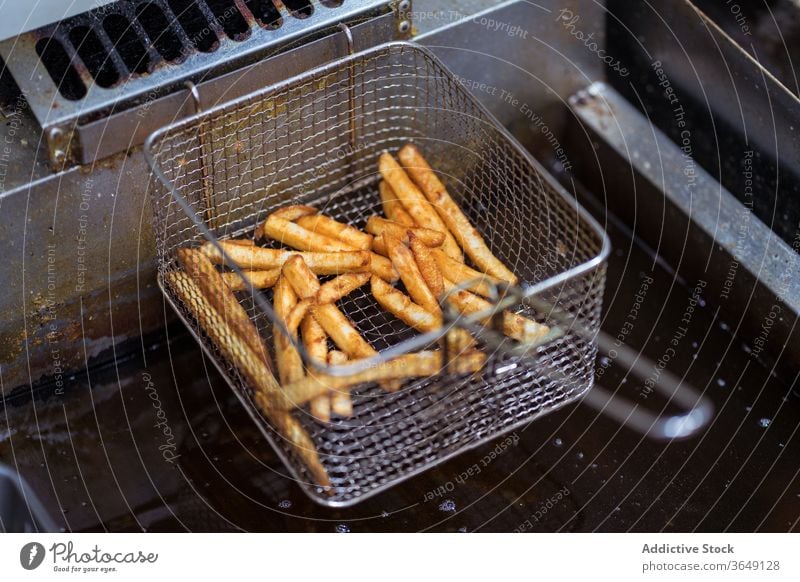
299, 8
127, 43
195, 24
59, 66
331, 3
93, 54
229, 18
265, 13
161, 33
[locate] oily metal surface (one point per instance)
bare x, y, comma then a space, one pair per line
295, 144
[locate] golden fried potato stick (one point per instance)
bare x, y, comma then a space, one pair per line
291, 213
255, 280
379, 247
341, 402
404, 262
466, 234
222, 299
514, 325
333, 321
268, 395
427, 265
380, 266
257, 258
415, 203
316, 342
459, 340
245, 242
400, 305
293, 235
418, 365
294, 433
379, 226
297, 314
345, 233
290, 364
480, 283
340, 287
392, 207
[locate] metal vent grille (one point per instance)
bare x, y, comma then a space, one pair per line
131, 52
111, 44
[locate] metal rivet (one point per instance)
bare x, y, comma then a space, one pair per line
404, 6
404, 26
56, 133
59, 155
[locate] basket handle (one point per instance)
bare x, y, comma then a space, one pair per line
698, 410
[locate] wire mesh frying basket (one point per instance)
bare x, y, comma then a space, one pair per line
315, 139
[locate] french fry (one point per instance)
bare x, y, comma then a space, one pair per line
379, 265
291, 213
341, 402
514, 325
340, 287
427, 265
294, 433
222, 299
480, 283
297, 314
400, 305
392, 207
255, 280
418, 365
379, 246
416, 203
333, 321
257, 258
290, 364
315, 341
457, 222
329, 227
383, 268
379, 226
293, 235
268, 395
404, 262
245, 242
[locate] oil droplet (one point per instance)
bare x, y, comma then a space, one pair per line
448, 506
342, 528
558, 442
604, 361
720, 382
764, 422
462, 530
580, 455
695, 344
384, 514
724, 326
285, 504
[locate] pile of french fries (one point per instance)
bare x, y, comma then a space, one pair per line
419, 242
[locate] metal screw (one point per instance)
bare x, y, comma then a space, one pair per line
56, 133
404, 6
404, 26
59, 155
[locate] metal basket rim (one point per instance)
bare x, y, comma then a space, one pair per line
416, 342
